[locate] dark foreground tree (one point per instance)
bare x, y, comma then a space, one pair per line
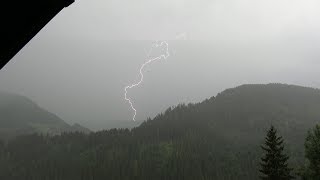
274, 163
312, 153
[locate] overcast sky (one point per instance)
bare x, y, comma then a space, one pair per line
78, 65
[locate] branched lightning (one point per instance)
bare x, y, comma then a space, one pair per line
162, 56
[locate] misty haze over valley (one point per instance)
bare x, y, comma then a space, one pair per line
241, 85
78, 65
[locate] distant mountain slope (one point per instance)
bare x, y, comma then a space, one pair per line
218, 138
19, 115
247, 109
240, 117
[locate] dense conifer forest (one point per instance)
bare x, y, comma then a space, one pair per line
219, 138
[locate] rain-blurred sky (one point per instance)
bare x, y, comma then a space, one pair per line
78, 65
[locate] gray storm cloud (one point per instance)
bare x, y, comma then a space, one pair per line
79, 64
201, 19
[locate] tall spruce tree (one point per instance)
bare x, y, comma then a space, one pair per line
312, 153
274, 165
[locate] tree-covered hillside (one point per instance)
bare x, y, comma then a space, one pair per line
19, 115
218, 138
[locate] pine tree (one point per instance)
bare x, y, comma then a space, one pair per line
274, 164
312, 153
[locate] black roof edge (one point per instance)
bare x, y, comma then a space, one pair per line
22, 21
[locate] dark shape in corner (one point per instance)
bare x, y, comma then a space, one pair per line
22, 20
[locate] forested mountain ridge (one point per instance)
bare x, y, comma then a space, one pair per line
249, 110
218, 138
19, 115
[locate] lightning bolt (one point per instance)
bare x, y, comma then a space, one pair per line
162, 56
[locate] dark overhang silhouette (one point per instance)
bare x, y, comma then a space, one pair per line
22, 20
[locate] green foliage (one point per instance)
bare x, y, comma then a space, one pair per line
274, 163
312, 153
122, 154
216, 139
